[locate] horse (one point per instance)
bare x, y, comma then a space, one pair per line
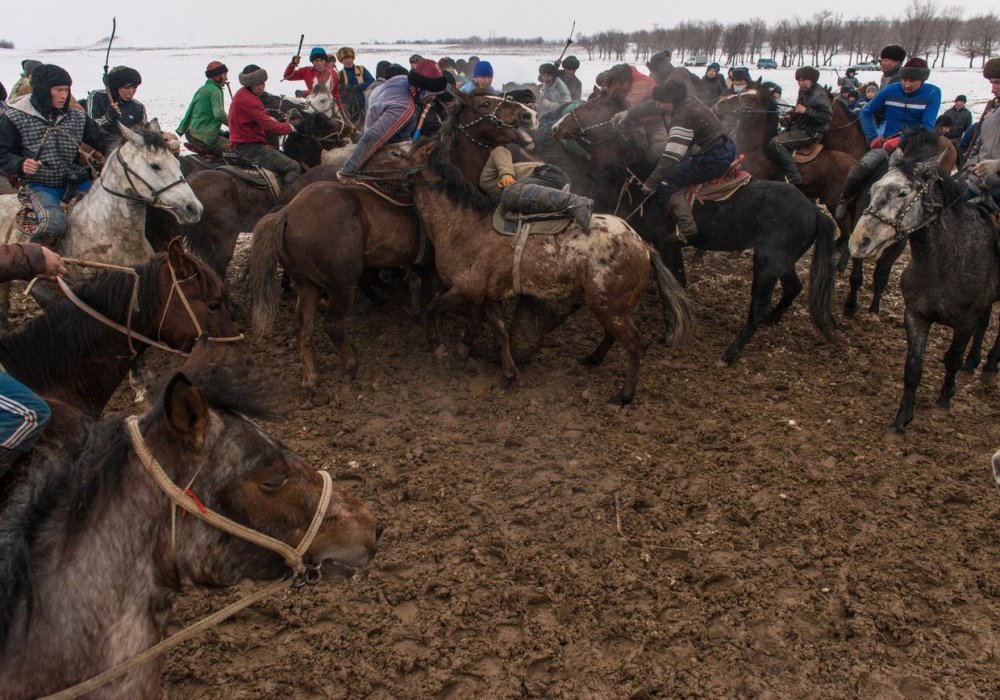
69, 355
845, 134
108, 223
607, 268
92, 555
953, 277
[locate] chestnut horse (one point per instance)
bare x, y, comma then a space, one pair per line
91, 557
606, 268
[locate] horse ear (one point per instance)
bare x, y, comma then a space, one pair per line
186, 411
154, 125
178, 258
130, 136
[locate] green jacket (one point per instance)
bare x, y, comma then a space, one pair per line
205, 115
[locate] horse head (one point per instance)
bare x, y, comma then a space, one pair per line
144, 168
321, 100
904, 200
591, 121
739, 108
488, 119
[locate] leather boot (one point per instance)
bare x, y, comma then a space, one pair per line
857, 176
680, 212
538, 199
786, 160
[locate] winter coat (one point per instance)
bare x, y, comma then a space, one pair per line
21, 261
901, 111
692, 129
23, 135
308, 74
206, 114
961, 119
501, 163
987, 144
890, 78
552, 97
711, 89
819, 112
133, 114
249, 122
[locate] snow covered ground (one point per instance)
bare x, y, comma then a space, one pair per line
171, 75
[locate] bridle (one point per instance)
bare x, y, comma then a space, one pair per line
175, 287
491, 117
897, 223
154, 194
584, 129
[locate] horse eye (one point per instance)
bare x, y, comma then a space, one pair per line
902, 193
275, 482
154, 166
215, 306
484, 104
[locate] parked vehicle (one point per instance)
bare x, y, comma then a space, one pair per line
867, 65
700, 59
766, 63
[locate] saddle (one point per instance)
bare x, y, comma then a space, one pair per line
510, 223
254, 175
807, 153
390, 161
203, 153
722, 187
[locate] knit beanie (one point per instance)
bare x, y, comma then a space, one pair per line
807, 73
318, 52
893, 53
915, 69
380, 69
483, 69
120, 76
991, 70
426, 75
252, 75
961, 98
215, 69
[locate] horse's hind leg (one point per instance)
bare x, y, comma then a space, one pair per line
760, 296
305, 315
880, 278
341, 301
597, 357
494, 314
916, 342
975, 355
791, 287
857, 279
5, 306
952, 363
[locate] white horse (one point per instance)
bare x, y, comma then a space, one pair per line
108, 224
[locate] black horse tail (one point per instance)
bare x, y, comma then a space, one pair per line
821, 273
268, 237
678, 315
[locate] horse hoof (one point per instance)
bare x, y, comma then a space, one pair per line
989, 377
943, 404
589, 360
463, 351
619, 400
440, 353
319, 397
850, 309
506, 384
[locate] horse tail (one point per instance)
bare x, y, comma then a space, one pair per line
678, 314
268, 237
821, 272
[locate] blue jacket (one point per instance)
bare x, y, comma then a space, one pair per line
901, 111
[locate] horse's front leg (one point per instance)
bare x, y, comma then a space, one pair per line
976, 348
916, 342
448, 300
880, 278
495, 315
761, 290
5, 306
857, 279
952, 363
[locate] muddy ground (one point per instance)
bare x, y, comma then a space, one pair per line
743, 531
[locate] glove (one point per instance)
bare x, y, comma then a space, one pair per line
648, 187
295, 60
618, 120
986, 168
876, 142
892, 144
506, 181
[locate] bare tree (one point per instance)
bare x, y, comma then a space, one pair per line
915, 27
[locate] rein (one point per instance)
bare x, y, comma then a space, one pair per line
293, 556
492, 118
127, 329
154, 194
584, 129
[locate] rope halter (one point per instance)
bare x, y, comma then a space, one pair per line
152, 198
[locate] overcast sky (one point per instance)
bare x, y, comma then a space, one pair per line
62, 23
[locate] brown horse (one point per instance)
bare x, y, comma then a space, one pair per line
606, 268
91, 556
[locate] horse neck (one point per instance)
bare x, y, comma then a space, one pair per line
105, 227
750, 139
469, 158
121, 551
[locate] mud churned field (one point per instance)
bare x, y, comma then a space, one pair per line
743, 531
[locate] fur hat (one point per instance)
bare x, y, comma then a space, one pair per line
43, 78
522, 96
215, 69
672, 91
28, 65
393, 70
344, 52
426, 75
483, 69
571, 62
741, 73
991, 70
547, 69
712, 66
416, 58
807, 73
252, 75
120, 76
915, 69
659, 61
894, 53
446, 62
318, 52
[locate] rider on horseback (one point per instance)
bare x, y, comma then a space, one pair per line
910, 103
985, 152
249, 125
39, 138
354, 80
807, 122
122, 82
697, 150
319, 72
206, 114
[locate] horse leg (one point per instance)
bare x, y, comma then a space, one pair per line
992, 360
5, 306
494, 314
340, 303
916, 342
791, 287
952, 363
976, 349
880, 278
533, 320
597, 357
446, 301
857, 279
760, 297
622, 328
305, 315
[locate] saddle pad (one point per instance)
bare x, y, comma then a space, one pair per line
718, 190
546, 226
805, 155
260, 178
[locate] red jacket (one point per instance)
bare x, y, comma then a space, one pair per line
249, 122
307, 73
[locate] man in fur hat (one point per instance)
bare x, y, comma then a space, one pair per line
122, 83
807, 122
206, 115
891, 61
39, 138
393, 111
249, 125
908, 104
984, 156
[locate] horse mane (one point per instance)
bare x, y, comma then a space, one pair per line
920, 146
65, 482
442, 145
151, 138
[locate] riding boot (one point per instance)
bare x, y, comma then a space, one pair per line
537, 199
857, 176
786, 160
680, 212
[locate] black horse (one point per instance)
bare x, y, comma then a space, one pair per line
953, 277
773, 218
